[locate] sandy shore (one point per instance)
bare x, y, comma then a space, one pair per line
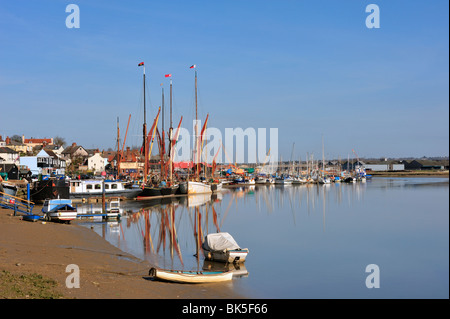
106, 272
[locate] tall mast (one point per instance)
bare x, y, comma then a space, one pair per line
170, 136
144, 146
118, 149
145, 138
323, 158
196, 128
163, 146
196, 117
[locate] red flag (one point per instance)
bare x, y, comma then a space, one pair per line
142, 63
168, 75
192, 66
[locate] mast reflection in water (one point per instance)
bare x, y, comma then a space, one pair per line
305, 241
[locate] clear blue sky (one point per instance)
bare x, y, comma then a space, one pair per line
309, 68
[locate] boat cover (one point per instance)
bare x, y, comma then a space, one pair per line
219, 242
61, 207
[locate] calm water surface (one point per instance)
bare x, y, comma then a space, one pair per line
305, 241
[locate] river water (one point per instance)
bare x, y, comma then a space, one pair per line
386, 238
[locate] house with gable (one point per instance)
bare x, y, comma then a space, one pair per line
74, 151
45, 162
9, 156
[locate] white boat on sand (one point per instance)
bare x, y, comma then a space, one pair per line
59, 210
192, 277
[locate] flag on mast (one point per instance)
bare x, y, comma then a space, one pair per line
168, 75
192, 66
142, 63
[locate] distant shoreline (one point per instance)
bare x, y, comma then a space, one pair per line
409, 174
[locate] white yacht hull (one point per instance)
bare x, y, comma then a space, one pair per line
198, 188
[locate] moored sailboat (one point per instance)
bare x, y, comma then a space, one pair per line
197, 187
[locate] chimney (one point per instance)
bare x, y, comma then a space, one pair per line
74, 144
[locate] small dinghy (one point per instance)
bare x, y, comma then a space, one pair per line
32, 217
191, 277
223, 248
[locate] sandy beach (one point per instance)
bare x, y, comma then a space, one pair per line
106, 272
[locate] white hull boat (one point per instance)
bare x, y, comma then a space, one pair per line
283, 181
59, 210
94, 188
198, 188
192, 277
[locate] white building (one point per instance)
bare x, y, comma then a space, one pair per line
9, 156
96, 163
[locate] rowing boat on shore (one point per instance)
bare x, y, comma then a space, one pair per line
192, 277
32, 217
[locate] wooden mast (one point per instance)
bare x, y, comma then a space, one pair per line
119, 155
145, 133
163, 146
170, 137
196, 130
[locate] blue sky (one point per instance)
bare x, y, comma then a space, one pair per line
308, 68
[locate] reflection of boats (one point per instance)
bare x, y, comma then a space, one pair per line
193, 277
114, 211
98, 212
222, 247
198, 200
238, 270
60, 210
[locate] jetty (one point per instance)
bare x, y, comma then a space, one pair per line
19, 205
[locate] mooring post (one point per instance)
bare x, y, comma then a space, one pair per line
103, 197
